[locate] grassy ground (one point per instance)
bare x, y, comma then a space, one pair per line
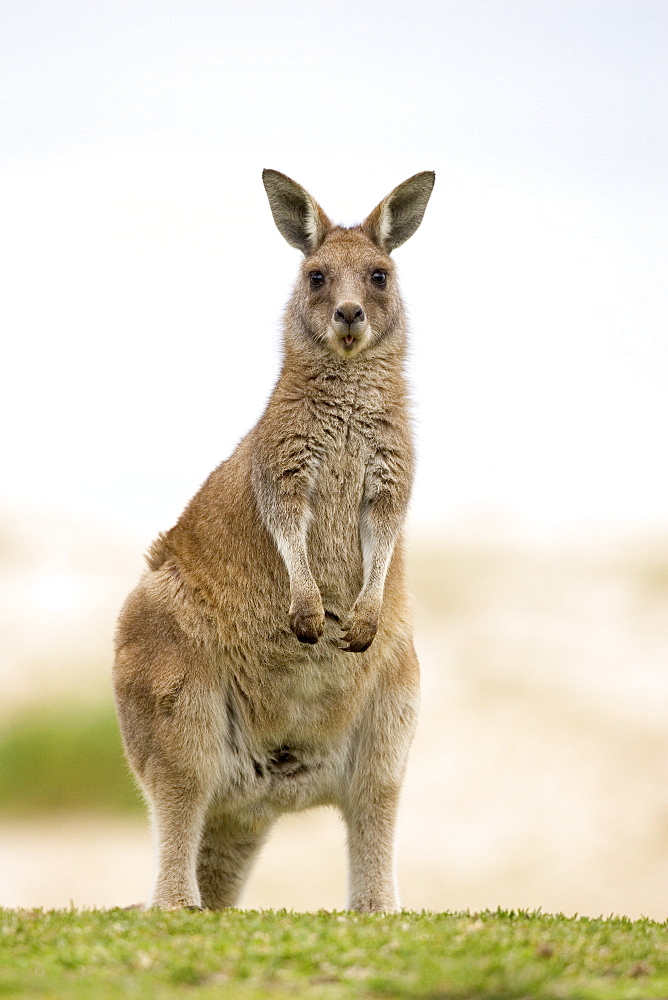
252, 955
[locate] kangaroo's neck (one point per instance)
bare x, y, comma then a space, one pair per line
381, 374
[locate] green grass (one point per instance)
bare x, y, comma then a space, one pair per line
251, 955
64, 759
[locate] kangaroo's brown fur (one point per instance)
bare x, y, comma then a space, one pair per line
265, 660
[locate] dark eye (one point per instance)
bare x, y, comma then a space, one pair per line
379, 278
317, 279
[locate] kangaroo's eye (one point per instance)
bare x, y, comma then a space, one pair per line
317, 279
379, 278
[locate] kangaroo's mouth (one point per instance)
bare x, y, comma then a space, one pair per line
348, 343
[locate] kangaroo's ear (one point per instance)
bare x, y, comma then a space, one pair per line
398, 216
298, 216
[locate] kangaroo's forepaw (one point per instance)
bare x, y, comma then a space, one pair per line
360, 632
307, 624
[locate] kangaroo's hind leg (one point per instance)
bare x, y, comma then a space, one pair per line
370, 800
172, 725
228, 849
185, 775
178, 818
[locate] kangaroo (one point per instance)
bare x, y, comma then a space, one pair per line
265, 662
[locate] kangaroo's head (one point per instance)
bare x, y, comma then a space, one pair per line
346, 300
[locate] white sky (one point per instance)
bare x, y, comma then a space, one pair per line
144, 279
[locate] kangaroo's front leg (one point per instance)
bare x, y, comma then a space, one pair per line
307, 615
386, 494
283, 479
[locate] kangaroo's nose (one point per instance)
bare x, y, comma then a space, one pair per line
349, 312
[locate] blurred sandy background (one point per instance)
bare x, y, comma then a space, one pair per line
539, 776
143, 280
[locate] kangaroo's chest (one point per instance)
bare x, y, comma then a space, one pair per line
339, 485
334, 546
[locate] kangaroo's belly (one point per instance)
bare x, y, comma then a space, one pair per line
292, 749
